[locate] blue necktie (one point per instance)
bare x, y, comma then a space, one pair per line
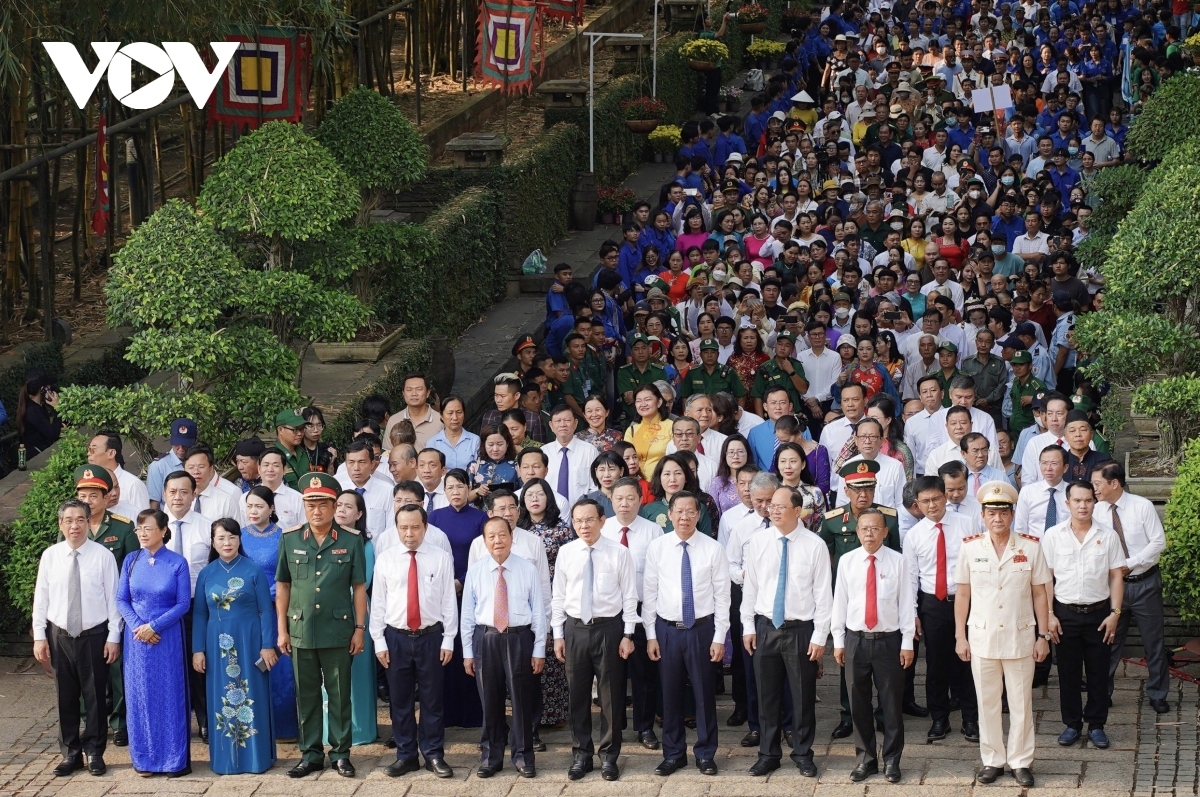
685, 581
777, 612
564, 478
589, 578
429, 503
1051, 511
360, 490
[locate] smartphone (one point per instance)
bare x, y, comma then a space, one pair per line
691, 191
895, 316
262, 665
789, 319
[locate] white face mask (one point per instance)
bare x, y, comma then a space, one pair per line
718, 275
897, 225
842, 313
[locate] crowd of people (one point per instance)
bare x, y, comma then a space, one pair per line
824, 393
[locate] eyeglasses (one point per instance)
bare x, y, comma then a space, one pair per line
688, 514
868, 438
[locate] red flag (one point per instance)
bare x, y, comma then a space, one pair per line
100, 204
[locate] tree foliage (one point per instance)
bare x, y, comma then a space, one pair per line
1169, 118
374, 141
1181, 559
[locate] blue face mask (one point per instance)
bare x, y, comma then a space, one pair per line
1072, 150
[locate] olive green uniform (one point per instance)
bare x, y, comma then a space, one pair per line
294, 465
321, 621
629, 379
839, 530
770, 374
945, 381
1022, 416
116, 534
723, 379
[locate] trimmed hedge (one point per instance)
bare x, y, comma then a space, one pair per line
340, 429
1181, 558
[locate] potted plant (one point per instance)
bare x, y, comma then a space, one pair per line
731, 95
752, 18
665, 140
794, 18
704, 55
765, 51
642, 114
613, 202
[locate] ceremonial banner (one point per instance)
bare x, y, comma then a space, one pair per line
100, 205
505, 46
267, 79
563, 9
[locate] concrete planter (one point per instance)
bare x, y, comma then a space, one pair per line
357, 352
1152, 488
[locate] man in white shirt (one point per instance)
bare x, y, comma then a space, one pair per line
215, 497
532, 464
685, 435
105, 449
839, 432
77, 627
360, 465
957, 426
404, 494
1034, 245
918, 434
873, 625
504, 625
1043, 503
636, 533
975, 451
962, 394
431, 469
1087, 563
959, 500
942, 283
931, 550
786, 607
699, 407
1056, 407
933, 157
289, 504
402, 462
685, 611
595, 612
1140, 531
569, 469
889, 481
821, 366
415, 641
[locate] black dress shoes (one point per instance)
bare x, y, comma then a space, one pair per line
390, 744
1160, 706
609, 770
96, 765
864, 771
179, 773
398, 768
764, 766
842, 730
581, 767
751, 739
989, 774
938, 731
305, 768
737, 718
669, 766
891, 771
914, 709
439, 767
343, 767
1024, 777
121, 738
487, 772
68, 766
204, 733
807, 768
527, 772
648, 740
707, 766
787, 738
970, 730
538, 745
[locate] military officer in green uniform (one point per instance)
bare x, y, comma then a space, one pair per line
321, 611
1024, 387
780, 371
637, 372
93, 483
839, 530
947, 354
289, 436
710, 377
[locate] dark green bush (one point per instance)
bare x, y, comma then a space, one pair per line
1170, 117
1181, 559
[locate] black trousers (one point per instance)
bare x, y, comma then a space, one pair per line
80, 672
945, 672
415, 672
1081, 649
643, 677
737, 669
197, 688
875, 663
1143, 602
592, 653
910, 675
782, 655
503, 666
685, 659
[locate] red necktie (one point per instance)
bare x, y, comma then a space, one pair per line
939, 584
414, 595
700, 447
625, 536
872, 618
1058, 442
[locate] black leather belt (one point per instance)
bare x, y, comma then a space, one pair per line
930, 596
96, 630
1132, 579
786, 624
594, 620
1085, 608
512, 629
683, 627
436, 628
872, 634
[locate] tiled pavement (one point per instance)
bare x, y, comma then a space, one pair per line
1149, 755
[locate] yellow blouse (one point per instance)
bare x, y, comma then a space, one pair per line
650, 439
916, 248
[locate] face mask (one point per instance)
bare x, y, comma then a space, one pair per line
1029, 28
853, 207
719, 275
998, 250
898, 225
973, 194
1007, 180
842, 313
1072, 150
846, 99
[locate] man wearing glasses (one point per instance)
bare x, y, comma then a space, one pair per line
889, 487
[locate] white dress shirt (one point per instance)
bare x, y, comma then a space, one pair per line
435, 591
948, 451
217, 502
706, 466
712, 441
980, 422
1081, 568
889, 482
289, 506
580, 456
1031, 456
614, 588
526, 545
730, 518
895, 603
905, 520
192, 543
1025, 244
834, 436
133, 490
664, 582
433, 536
919, 439
809, 591
920, 551
739, 539
821, 371
1032, 502
378, 498
1142, 528
439, 498
642, 532
746, 422
956, 291
525, 601
380, 474
98, 577
970, 510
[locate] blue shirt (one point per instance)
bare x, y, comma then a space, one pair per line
665, 241
1064, 181
556, 306
559, 329
157, 473
457, 456
963, 138
1010, 229
630, 261
756, 123
1059, 340
525, 603
762, 444
726, 144
701, 148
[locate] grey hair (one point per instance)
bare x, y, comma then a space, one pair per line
686, 419
695, 397
664, 387
75, 503
764, 480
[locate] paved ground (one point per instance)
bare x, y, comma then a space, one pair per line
1148, 756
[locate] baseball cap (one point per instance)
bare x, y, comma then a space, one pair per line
183, 432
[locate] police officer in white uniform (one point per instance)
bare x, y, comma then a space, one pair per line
1002, 578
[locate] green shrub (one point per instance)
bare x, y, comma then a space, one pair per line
374, 141
1175, 402
1115, 192
1170, 117
1181, 559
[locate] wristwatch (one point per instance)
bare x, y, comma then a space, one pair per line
628, 636
358, 627
1045, 637
1117, 612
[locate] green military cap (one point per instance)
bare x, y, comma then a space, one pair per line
786, 334
656, 282
1082, 403
710, 344
637, 338
95, 476
841, 296
948, 346
319, 486
859, 472
997, 493
1022, 358
291, 418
